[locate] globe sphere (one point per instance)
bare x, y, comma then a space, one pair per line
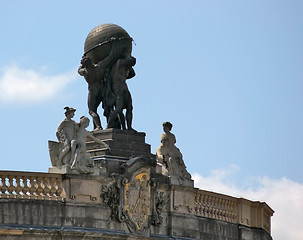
98, 43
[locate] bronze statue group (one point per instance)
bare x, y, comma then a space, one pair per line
107, 84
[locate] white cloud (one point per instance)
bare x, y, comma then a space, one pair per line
28, 86
283, 195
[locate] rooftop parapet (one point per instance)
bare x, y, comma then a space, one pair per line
183, 200
31, 185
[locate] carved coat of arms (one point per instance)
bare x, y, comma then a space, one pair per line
138, 199
134, 197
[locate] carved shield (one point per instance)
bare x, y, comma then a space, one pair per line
54, 150
138, 199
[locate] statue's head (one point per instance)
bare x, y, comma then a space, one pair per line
84, 121
69, 112
167, 126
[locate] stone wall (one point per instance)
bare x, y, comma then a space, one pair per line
93, 207
44, 219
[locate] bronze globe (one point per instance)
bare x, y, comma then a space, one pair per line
98, 42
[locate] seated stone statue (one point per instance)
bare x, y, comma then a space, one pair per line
71, 149
82, 161
170, 156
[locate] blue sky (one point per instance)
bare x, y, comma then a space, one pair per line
227, 74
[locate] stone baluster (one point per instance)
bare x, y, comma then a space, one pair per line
25, 187
18, 187
39, 189
53, 188
47, 189
220, 205
59, 189
208, 206
203, 205
228, 210
32, 187
197, 203
200, 206
4, 187
211, 207
10, 188
217, 207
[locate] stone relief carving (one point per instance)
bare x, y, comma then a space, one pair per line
169, 156
111, 195
134, 197
160, 199
71, 149
138, 199
106, 65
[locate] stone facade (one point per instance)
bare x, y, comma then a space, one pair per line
128, 196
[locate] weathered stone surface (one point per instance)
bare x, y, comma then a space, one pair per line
38, 219
170, 157
70, 155
128, 196
122, 143
102, 207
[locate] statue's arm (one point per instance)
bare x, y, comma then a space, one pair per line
111, 58
128, 62
82, 70
97, 140
60, 134
131, 73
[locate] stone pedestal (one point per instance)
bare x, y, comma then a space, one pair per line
123, 144
66, 169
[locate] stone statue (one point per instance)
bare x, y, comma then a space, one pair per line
82, 161
170, 156
65, 134
94, 75
71, 150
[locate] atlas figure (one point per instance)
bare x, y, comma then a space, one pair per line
94, 75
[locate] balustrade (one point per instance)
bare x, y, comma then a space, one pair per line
213, 205
30, 185
49, 186
231, 209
